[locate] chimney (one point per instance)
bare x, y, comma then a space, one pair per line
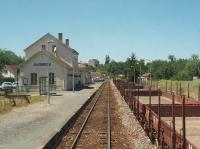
67, 42
60, 36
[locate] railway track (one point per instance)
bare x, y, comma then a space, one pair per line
100, 123
92, 128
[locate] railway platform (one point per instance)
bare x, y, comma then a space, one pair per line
32, 126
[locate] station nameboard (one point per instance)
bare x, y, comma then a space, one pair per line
41, 64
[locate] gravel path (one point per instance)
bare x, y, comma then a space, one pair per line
31, 126
136, 134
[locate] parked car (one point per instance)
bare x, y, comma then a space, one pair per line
14, 85
6, 86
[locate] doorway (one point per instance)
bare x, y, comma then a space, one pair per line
43, 85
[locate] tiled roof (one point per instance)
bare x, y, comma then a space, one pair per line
57, 58
11, 68
83, 67
64, 61
146, 75
48, 34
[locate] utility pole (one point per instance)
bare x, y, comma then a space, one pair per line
48, 65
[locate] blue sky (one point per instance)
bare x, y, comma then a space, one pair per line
151, 29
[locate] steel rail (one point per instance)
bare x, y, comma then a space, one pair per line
73, 146
109, 119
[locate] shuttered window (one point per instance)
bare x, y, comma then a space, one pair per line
33, 78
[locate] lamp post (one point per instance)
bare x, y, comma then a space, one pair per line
48, 79
133, 73
17, 88
73, 72
140, 75
137, 63
73, 78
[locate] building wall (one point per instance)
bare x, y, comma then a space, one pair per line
62, 50
8, 74
82, 74
36, 47
67, 54
85, 77
77, 79
59, 71
63, 75
88, 78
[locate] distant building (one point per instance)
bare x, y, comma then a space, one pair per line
9, 71
196, 78
146, 77
97, 76
85, 74
93, 62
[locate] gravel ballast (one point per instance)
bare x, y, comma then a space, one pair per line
136, 134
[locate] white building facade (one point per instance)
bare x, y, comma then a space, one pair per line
51, 60
9, 71
85, 74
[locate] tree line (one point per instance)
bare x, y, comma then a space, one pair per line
7, 57
170, 69
132, 68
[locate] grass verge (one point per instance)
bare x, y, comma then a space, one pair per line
5, 107
188, 88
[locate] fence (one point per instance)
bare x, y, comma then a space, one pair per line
34, 89
189, 88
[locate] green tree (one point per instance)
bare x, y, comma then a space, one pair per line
172, 58
195, 57
8, 57
176, 69
193, 68
107, 59
132, 68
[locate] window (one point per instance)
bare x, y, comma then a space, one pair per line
51, 78
43, 47
33, 78
53, 48
25, 81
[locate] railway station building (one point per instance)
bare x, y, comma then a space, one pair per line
49, 57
